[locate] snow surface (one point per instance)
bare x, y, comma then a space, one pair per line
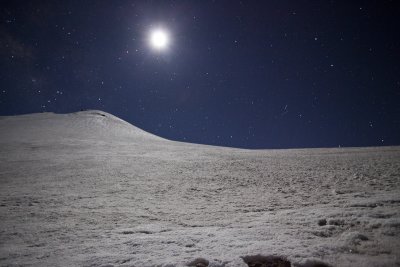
88, 189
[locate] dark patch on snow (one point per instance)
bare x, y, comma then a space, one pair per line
199, 262
130, 232
266, 261
97, 113
337, 222
322, 222
145, 232
91, 112
127, 232
123, 261
382, 215
313, 263
37, 245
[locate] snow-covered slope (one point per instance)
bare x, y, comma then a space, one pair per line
92, 124
88, 189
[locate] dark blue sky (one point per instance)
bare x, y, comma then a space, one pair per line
254, 74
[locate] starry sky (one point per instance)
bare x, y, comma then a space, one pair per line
249, 74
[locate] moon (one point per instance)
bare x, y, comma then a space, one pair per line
159, 39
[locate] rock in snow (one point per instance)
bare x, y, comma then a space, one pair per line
88, 189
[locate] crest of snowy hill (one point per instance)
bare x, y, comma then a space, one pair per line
84, 125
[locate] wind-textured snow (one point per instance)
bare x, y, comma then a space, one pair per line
88, 189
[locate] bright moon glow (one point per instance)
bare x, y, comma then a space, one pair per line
159, 39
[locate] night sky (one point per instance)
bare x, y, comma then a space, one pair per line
251, 74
